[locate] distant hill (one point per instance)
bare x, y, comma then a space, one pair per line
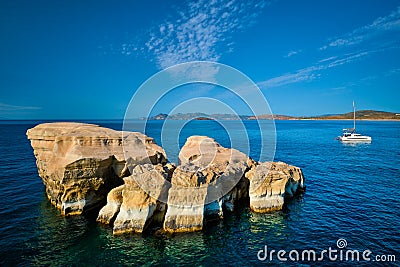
197, 116
160, 116
269, 116
360, 115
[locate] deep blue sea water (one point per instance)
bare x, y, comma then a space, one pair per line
352, 193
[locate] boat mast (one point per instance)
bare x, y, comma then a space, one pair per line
354, 117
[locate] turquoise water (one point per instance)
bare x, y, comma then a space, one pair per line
352, 193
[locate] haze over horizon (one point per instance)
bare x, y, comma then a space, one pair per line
85, 60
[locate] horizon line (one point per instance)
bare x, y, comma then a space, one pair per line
141, 118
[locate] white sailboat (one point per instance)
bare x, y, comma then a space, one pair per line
350, 136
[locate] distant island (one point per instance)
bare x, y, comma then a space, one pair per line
360, 115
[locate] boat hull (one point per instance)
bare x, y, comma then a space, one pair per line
355, 139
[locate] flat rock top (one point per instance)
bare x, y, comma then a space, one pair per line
70, 129
76, 129
70, 141
203, 150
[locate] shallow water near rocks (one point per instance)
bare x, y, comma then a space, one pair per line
352, 193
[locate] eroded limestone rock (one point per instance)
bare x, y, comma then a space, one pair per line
270, 183
80, 163
209, 179
142, 199
114, 200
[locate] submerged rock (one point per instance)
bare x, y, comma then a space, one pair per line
80, 163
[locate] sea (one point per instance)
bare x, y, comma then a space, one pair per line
351, 203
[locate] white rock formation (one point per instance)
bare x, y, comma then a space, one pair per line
270, 183
80, 163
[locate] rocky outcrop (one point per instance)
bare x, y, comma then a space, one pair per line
80, 163
140, 202
114, 201
271, 183
209, 180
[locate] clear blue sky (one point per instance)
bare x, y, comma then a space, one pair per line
85, 59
